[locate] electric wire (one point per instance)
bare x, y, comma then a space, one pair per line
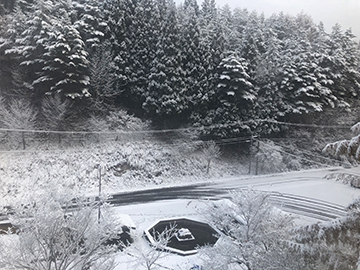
159, 131
293, 155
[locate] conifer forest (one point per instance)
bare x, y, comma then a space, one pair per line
232, 72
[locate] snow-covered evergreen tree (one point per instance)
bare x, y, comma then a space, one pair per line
65, 68
252, 41
270, 103
229, 110
102, 77
88, 18
136, 26
29, 29
165, 96
347, 148
51, 50
192, 55
344, 53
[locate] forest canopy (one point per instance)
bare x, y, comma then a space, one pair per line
232, 71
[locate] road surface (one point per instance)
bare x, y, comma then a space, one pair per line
305, 193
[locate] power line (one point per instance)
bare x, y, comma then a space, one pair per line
159, 131
305, 152
303, 158
304, 125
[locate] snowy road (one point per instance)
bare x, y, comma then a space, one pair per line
305, 193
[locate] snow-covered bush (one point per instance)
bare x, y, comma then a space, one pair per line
124, 165
116, 125
346, 178
332, 244
55, 112
269, 157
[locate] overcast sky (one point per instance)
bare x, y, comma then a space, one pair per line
330, 12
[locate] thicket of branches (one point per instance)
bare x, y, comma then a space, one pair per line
52, 232
259, 236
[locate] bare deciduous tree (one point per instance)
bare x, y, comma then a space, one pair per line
102, 78
49, 236
211, 151
148, 255
19, 115
255, 234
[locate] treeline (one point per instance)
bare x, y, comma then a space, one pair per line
177, 65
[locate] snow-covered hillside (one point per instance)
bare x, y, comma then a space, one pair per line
124, 166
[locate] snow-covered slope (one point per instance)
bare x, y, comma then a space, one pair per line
124, 166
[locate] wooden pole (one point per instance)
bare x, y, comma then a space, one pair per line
99, 210
251, 142
23, 140
257, 157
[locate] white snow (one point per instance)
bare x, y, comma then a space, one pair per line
145, 215
33, 172
310, 184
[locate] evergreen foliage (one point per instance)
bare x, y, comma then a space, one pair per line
228, 70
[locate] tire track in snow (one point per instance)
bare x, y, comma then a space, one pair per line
300, 205
309, 207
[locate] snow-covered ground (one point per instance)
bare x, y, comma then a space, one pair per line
124, 166
129, 166
310, 184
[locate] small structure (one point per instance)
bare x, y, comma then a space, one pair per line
191, 235
184, 235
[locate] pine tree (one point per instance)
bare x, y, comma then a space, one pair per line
166, 91
192, 56
270, 103
345, 56
120, 16
136, 33
88, 18
51, 50
30, 28
229, 111
252, 41
66, 65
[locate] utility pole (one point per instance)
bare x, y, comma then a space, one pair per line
23, 140
99, 210
250, 150
257, 157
